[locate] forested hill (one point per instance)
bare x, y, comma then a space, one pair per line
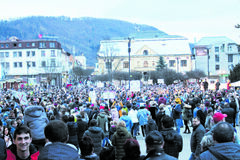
81, 35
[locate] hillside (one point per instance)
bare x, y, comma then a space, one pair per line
80, 34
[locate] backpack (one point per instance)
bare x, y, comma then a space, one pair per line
108, 150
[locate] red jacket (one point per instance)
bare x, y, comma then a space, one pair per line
11, 153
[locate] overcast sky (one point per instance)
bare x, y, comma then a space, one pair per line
189, 18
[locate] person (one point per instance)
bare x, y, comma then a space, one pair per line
206, 142
173, 142
132, 150
224, 148
97, 135
177, 111
87, 149
7, 136
209, 120
196, 137
36, 119
3, 154
151, 125
22, 148
228, 85
187, 116
82, 127
217, 85
205, 85
133, 115
56, 147
202, 113
73, 131
142, 115
114, 113
229, 112
102, 121
118, 139
159, 117
155, 144
127, 120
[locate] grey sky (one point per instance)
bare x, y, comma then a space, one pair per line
190, 18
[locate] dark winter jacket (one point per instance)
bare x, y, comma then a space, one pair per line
230, 114
118, 140
90, 157
3, 153
82, 127
196, 138
159, 154
202, 115
151, 125
36, 119
159, 117
227, 151
97, 135
58, 151
73, 133
173, 142
177, 111
187, 114
102, 121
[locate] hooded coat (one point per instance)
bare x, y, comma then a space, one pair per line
36, 119
118, 140
173, 142
151, 126
102, 121
128, 122
115, 115
97, 135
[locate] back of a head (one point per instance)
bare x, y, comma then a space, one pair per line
92, 123
124, 112
86, 146
167, 121
223, 132
21, 129
56, 131
132, 148
71, 118
154, 138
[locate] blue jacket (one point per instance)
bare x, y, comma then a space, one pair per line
195, 112
229, 150
58, 151
128, 122
143, 116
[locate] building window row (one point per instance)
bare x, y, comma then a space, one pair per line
20, 45
5, 65
172, 63
17, 64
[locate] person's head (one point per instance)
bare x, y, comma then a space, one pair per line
223, 132
210, 112
86, 146
93, 123
132, 148
202, 107
124, 113
167, 121
121, 124
22, 138
14, 123
196, 121
5, 130
71, 118
207, 141
65, 118
56, 131
154, 140
219, 117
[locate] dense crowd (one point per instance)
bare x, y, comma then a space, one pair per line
79, 122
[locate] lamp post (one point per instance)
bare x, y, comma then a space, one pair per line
129, 52
208, 60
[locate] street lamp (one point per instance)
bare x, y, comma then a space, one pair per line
129, 52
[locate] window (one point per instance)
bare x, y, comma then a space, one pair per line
125, 64
229, 48
6, 54
33, 64
216, 58
33, 53
28, 53
28, 64
19, 54
14, 44
145, 63
1, 54
43, 54
183, 63
2, 64
216, 49
28, 44
2, 45
19, 44
42, 45
222, 47
7, 45
15, 64
43, 63
52, 45
217, 67
145, 52
230, 58
53, 63
14, 54
108, 65
7, 65
172, 63
33, 44
53, 53
20, 64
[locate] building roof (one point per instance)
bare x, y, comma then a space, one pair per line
214, 40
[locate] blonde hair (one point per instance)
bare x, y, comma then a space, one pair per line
121, 124
207, 141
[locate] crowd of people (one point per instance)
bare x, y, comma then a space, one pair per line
69, 123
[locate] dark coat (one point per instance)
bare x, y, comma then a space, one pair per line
151, 126
118, 140
97, 135
196, 138
82, 127
58, 151
230, 114
173, 142
202, 115
228, 151
159, 154
73, 133
159, 117
3, 153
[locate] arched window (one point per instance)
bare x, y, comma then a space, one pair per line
145, 52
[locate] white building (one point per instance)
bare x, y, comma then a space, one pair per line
82, 61
34, 61
223, 55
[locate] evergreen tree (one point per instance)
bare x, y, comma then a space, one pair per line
235, 73
161, 64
